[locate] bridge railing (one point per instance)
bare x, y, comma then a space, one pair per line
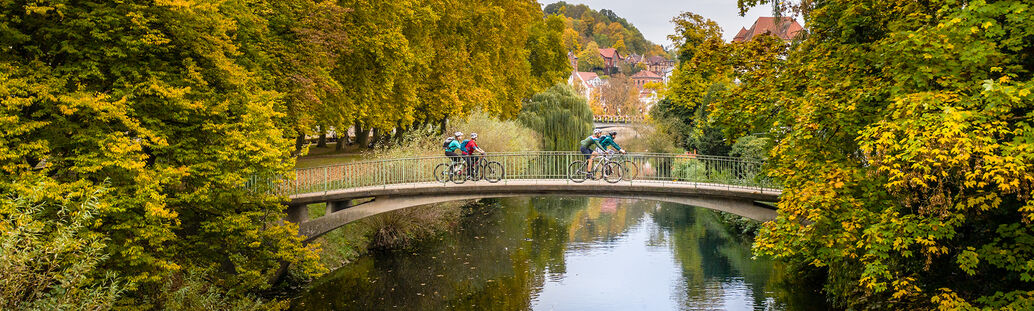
652, 167
617, 119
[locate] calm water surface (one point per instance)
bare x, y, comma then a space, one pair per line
567, 254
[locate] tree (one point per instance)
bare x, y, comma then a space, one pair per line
621, 97
560, 115
903, 144
570, 38
692, 30
620, 47
549, 63
171, 108
590, 59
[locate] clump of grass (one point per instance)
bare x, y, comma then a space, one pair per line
402, 228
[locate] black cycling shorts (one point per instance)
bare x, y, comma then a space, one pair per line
452, 155
587, 152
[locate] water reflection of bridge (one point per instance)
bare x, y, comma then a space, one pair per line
719, 183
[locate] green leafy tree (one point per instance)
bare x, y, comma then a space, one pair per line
549, 63
903, 143
590, 59
561, 116
163, 104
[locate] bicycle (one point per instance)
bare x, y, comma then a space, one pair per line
483, 169
446, 172
603, 168
630, 170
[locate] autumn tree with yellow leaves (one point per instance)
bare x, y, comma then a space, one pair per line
904, 146
164, 115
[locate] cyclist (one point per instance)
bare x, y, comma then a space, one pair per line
451, 145
588, 146
469, 147
608, 141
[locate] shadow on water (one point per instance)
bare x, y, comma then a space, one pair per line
566, 253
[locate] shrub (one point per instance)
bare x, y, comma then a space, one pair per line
49, 258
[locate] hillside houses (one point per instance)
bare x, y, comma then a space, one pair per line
785, 28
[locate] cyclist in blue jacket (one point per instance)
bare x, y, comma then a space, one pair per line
608, 141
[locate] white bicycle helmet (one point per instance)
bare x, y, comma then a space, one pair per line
457, 134
597, 131
473, 135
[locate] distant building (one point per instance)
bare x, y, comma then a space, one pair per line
785, 28
643, 77
659, 64
634, 59
585, 82
610, 60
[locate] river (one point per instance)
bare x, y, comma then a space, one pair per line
567, 254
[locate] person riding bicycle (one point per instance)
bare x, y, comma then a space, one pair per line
588, 147
451, 145
469, 147
608, 141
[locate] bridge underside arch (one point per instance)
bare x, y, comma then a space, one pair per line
736, 201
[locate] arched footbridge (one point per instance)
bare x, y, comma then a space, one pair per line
361, 189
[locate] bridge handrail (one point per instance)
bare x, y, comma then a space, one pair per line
653, 167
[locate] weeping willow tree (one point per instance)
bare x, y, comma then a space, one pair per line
560, 115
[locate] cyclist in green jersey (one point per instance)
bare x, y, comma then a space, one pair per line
588, 147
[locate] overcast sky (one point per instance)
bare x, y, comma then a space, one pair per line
653, 17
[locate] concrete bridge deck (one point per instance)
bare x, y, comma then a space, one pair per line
727, 198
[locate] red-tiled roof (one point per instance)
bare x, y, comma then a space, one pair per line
609, 53
740, 36
647, 75
586, 76
785, 28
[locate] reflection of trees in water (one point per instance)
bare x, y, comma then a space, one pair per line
713, 260
501, 252
498, 256
605, 219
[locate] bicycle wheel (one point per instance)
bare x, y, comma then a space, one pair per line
457, 172
441, 173
631, 170
492, 172
611, 172
576, 171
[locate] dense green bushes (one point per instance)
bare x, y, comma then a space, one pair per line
49, 258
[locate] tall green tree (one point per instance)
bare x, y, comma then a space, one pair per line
166, 105
560, 115
905, 148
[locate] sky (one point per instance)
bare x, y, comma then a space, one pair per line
653, 17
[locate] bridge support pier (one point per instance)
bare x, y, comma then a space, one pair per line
297, 213
334, 206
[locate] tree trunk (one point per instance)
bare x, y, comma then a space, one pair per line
322, 141
299, 142
362, 136
442, 126
399, 133
376, 137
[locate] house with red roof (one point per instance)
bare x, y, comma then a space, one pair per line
585, 82
610, 60
784, 28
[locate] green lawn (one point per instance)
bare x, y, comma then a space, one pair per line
328, 156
